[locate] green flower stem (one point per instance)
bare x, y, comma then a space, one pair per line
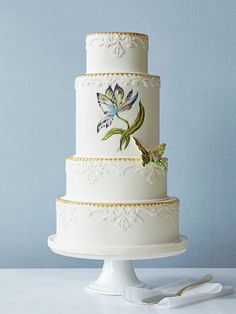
123, 120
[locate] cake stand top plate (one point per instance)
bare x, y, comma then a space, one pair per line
122, 253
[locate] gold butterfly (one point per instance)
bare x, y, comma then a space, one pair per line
155, 156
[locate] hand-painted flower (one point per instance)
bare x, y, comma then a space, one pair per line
112, 102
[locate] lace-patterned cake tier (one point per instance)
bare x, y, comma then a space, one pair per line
115, 52
114, 180
125, 223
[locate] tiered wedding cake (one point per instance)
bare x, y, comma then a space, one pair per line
116, 196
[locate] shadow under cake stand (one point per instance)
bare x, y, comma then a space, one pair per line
118, 271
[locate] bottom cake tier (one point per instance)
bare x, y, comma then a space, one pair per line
89, 226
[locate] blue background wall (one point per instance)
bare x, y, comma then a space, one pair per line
192, 48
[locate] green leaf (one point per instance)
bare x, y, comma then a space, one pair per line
127, 141
134, 127
112, 132
124, 141
138, 120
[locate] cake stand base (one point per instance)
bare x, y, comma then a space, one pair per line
115, 275
118, 272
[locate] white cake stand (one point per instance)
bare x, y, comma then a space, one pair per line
118, 272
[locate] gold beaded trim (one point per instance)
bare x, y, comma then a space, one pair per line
103, 158
175, 200
119, 33
119, 73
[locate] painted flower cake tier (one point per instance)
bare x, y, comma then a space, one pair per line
116, 183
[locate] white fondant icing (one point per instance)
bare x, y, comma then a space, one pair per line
114, 180
101, 173
114, 52
89, 143
116, 226
132, 79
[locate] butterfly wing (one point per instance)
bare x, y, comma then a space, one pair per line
162, 163
157, 156
158, 151
145, 153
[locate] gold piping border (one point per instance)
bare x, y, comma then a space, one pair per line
162, 203
129, 74
120, 33
103, 158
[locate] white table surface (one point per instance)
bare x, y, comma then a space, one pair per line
57, 291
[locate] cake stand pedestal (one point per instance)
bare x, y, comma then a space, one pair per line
118, 271
115, 274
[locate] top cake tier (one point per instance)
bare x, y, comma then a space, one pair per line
116, 52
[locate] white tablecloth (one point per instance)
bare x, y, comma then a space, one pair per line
61, 291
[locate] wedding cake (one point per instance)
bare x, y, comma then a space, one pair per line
116, 199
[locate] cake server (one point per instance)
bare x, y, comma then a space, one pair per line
157, 298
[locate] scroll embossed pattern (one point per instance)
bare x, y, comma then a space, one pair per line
117, 43
122, 217
123, 79
93, 169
